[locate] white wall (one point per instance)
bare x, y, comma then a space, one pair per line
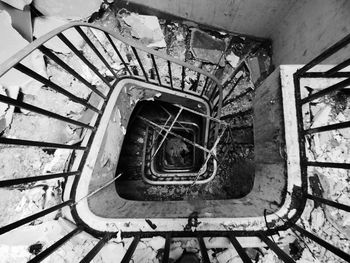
249, 17
308, 28
299, 29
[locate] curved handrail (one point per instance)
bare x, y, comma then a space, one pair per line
20, 55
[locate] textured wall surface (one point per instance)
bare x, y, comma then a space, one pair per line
251, 17
308, 28
300, 30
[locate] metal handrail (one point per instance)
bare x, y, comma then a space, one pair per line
233, 236
322, 72
15, 62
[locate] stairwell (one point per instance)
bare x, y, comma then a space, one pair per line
160, 154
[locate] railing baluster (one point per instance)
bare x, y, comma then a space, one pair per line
249, 90
93, 252
329, 202
156, 69
47, 252
140, 62
92, 46
279, 252
25, 180
183, 75
118, 53
323, 243
194, 85
205, 86
31, 218
53, 86
170, 75
166, 252
128, 255
203, 248
50, 114
335, 87
331, 127
39, 144
214, 93
323, 75
329, 165
71, 71
241, 252
84, 59
232, 89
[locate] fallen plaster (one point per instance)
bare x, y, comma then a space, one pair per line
19, 4
68, 9
44, 24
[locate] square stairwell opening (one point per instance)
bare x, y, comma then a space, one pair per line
155, 166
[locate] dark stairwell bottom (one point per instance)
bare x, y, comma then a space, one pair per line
235, 174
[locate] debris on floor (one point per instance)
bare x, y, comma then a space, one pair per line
68, 9
232, 59
146, 28
207, 48
187, 42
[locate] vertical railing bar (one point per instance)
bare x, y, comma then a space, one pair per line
329, 202
205, 86
249, 90
102, 45
323, 243
232, 89
241, 252
50, 114
156, 69
140, 62
195, 83
241, 95
204, 252
44, 254
84, 59
92, 46
170, 75
118, 53
71, 71
340, 74
39, 144
166, 252
128, 255
25, 180
93, 252
329, 165
53, 86
214, 93
183, 75
279, 252
331, 127
31, 218
300, 139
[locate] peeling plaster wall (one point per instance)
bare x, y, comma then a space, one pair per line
300, 30
309, 28
249, 17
